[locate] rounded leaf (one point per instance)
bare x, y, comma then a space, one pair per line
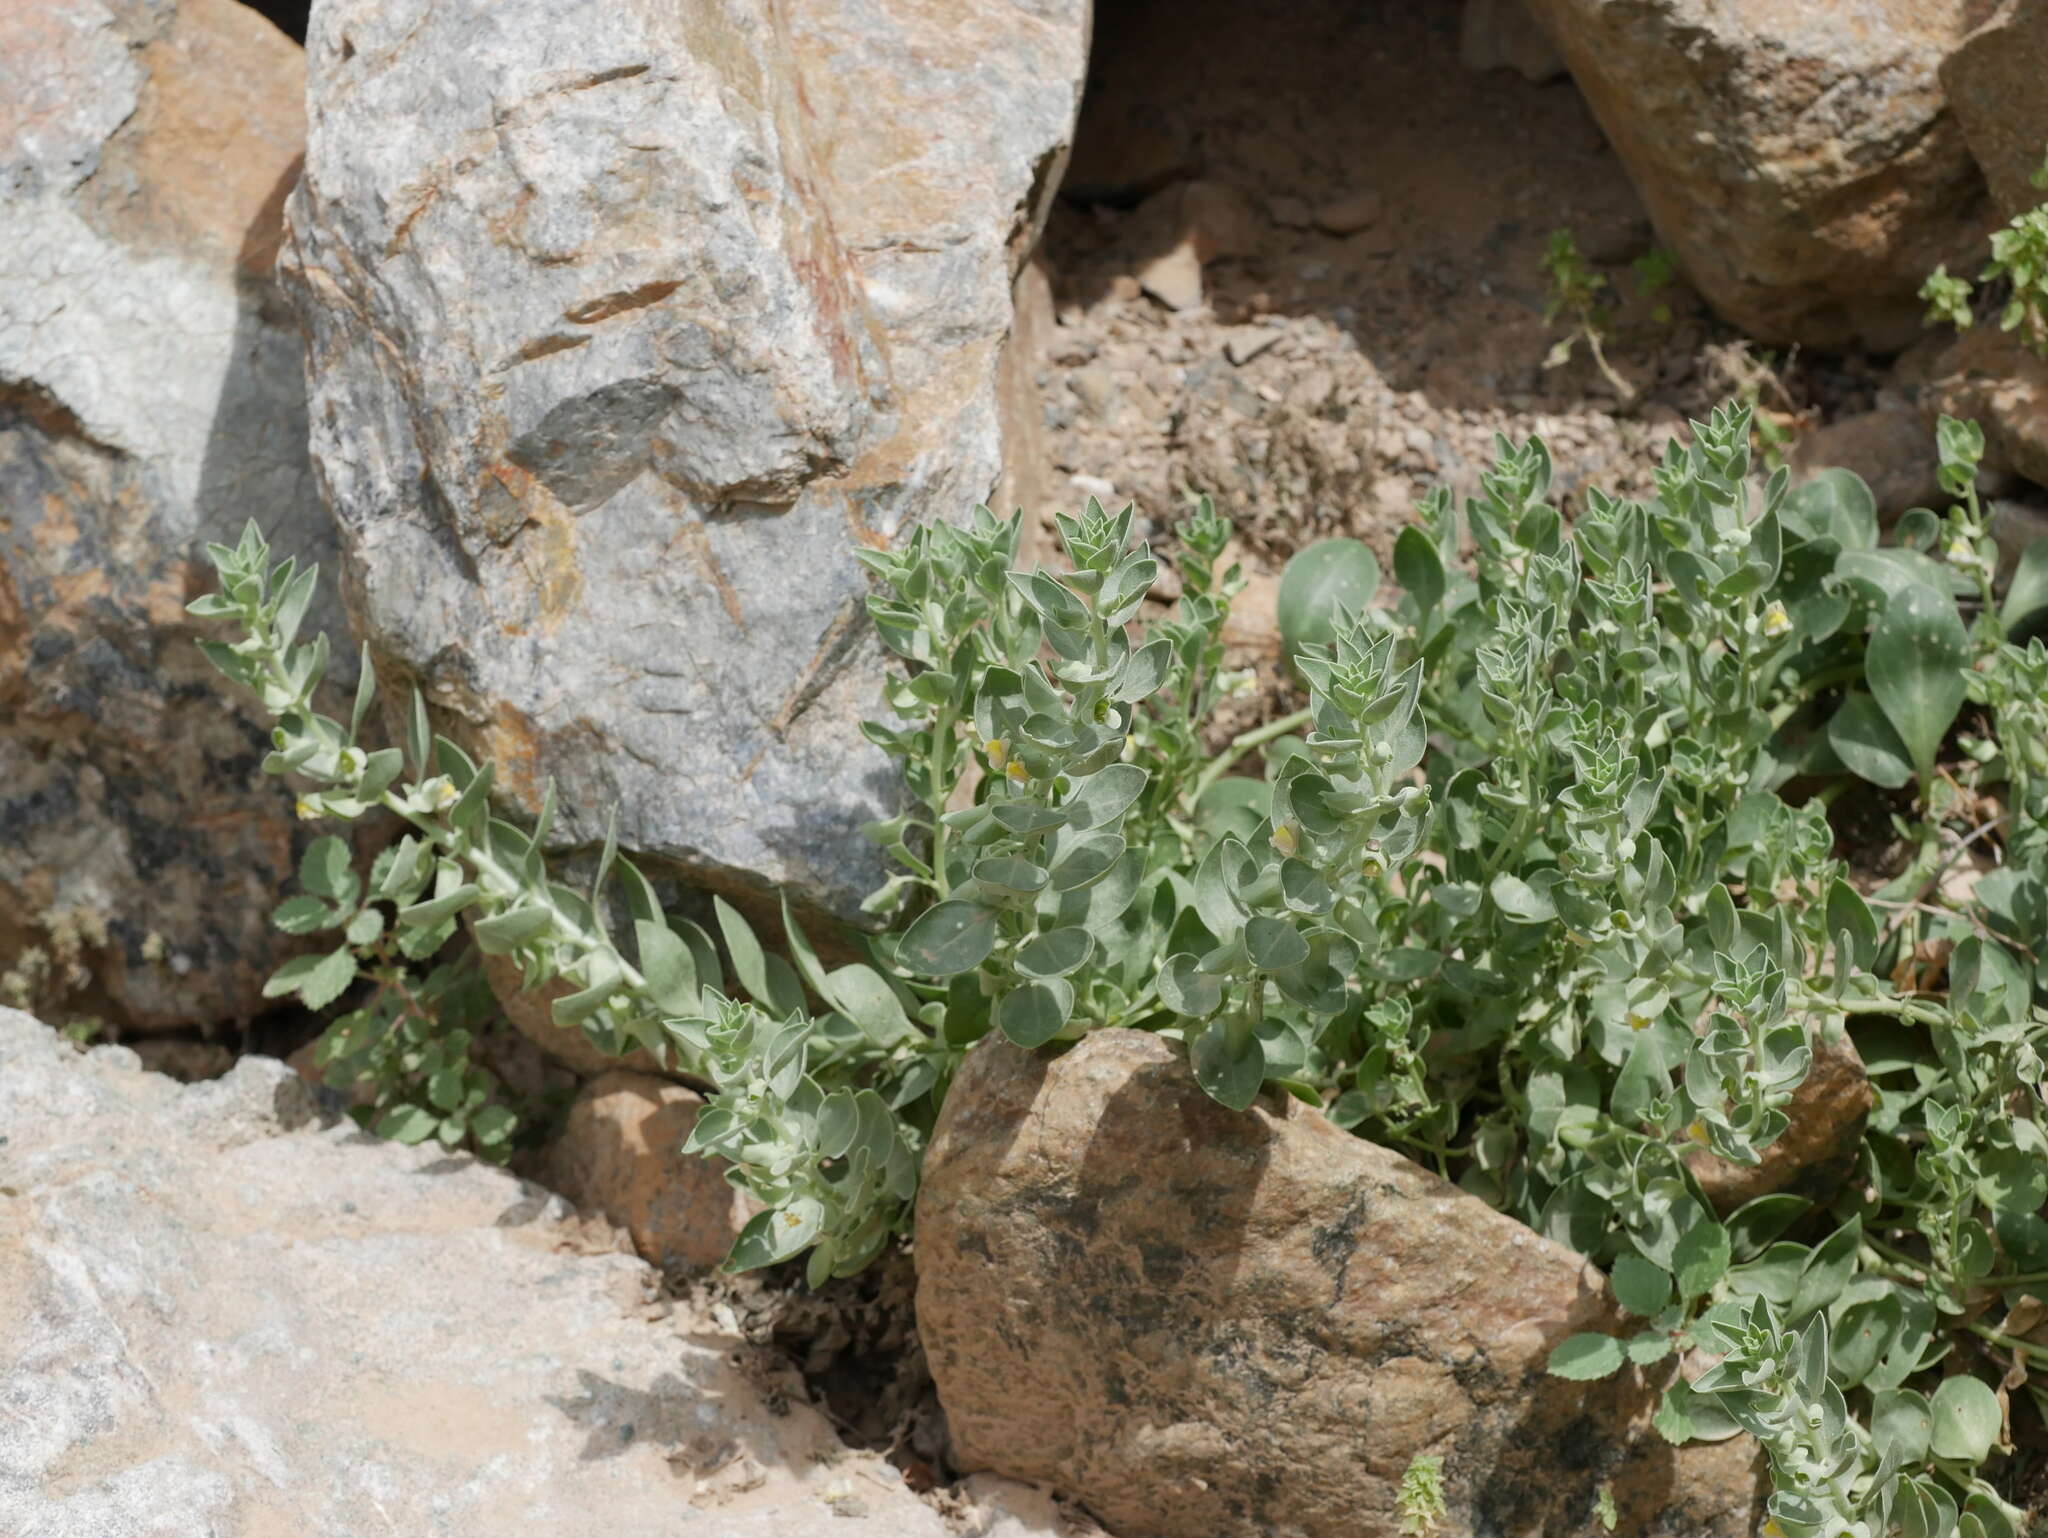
954, 936
1273, 943
1008, 876
1330, 577
1966, 1419
1865, 741
1187, 990
1643, 1288
1229, 1062
1418, 568
1035, 1013
1056, 952
1581, 1357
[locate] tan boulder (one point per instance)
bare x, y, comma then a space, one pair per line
1892, 449
1798, 159
1990, 377
1993, 83
1205, 1324
619, 1154
1816, 1152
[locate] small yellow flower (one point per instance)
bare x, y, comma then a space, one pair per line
1959, 551
1638, 1022
1016, 773
1772, 1530
1285, 839
306, 810
998, 752
1776, 621
1697, 1132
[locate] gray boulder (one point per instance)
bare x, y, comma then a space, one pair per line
625, 335
217, 1316
151, 398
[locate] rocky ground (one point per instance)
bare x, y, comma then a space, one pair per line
1310, 285
225, 1312
1294, 262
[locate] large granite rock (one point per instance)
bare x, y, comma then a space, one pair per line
625, 334
1212, 1325
1799, 159
217, 1317
151, 398
1993, 83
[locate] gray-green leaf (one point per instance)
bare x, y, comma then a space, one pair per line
1229, 1062
1036, 1012
1967, 1421
1328, 577
954, 936
1917, 662
1056, 952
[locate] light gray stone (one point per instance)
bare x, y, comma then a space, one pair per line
624, 337
151, 398
218, 1317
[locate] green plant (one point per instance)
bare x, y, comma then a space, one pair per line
1655, 271
409, 1042
1521, 893
796, 1107
2019, 260
1419, 1500
1574, 296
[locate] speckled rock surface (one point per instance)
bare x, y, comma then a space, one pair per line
1799, 159
625, 337
1205, 1324
1993, 83
218, 1317
151, 398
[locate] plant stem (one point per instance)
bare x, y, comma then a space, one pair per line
1242, 744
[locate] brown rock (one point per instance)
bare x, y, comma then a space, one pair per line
1816, 1152
1499, 34
1206, 1324
1993, 83
2016, 526
1125, 149
152, 397
1892, 450
1798, 159
531, 1012
1989, 376
1349, 214
1219, 220
619, 1153
1174, 277
187, 1061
